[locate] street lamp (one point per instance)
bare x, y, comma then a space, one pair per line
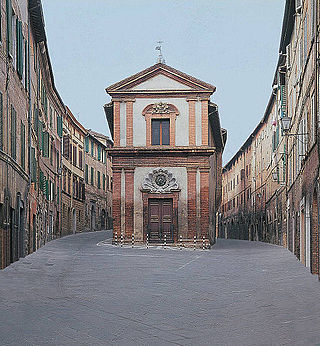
285, 122
275, 175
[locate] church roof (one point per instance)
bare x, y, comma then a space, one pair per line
192, 83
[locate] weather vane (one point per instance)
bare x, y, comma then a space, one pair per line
160, 57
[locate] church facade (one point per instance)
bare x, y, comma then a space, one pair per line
166, 158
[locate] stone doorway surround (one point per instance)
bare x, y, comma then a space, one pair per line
160, 184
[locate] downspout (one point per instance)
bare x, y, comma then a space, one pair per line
60, 176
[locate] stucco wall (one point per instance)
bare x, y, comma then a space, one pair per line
161, 82
182, 120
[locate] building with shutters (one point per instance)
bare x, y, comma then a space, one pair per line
97, 182
30, 133
283, 207
109, 180
166, 157
73, 186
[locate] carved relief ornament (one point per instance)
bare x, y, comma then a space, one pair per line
159, 108
160, 181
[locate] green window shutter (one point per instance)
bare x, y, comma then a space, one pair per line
92, 148
99, 153
39, 80
33, 166
99, 180
26, 64
9, 26
50, 117
92, 176
13, 133
87, 144
35, 119
47, 188
1, 119
40, 179
59, 126
23, 144
45, 144
42, 92
40, 135
277, 137
19, 47
45, 104
86, 174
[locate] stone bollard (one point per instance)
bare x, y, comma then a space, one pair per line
194, 242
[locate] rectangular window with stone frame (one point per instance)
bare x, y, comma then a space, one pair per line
160, 132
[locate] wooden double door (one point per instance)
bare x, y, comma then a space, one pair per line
160, 219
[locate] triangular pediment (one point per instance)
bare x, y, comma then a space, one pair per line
161, 82
160, 77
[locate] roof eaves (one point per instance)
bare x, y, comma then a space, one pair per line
159, 66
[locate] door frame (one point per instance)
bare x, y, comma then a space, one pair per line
175, 198
160, 203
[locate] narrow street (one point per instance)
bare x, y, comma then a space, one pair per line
81, 290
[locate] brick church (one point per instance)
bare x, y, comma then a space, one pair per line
167, 156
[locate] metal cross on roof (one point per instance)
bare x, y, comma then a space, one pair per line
160, 57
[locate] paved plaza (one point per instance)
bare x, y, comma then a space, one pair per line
81, 290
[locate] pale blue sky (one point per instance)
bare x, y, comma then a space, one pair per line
232, 44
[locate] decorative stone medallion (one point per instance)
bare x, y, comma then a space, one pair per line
160, 181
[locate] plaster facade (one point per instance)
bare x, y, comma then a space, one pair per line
191, 160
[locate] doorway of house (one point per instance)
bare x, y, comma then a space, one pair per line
74, 221
160, 220
93, 219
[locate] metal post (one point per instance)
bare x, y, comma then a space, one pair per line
194, 242
121, 239
165, 241
180, 242
116, 239
147, 241
203, 243
132, 241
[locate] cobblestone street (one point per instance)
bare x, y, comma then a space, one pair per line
81, 290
